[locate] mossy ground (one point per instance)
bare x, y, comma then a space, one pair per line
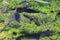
50, 20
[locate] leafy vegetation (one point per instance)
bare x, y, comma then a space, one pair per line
29, 18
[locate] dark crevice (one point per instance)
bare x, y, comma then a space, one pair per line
52, 11
33, 19
36, 20
31, 11
14, 33
37, 23
25, 9
28, 10
2, 21
59, 33
58, 13
17, 17
54, 20
36, 35
29, 17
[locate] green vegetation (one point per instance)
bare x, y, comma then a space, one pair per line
48, 18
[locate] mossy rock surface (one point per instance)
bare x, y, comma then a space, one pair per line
22, 20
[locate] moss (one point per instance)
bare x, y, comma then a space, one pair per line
48, 18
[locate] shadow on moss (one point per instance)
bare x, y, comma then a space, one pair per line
36, 35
